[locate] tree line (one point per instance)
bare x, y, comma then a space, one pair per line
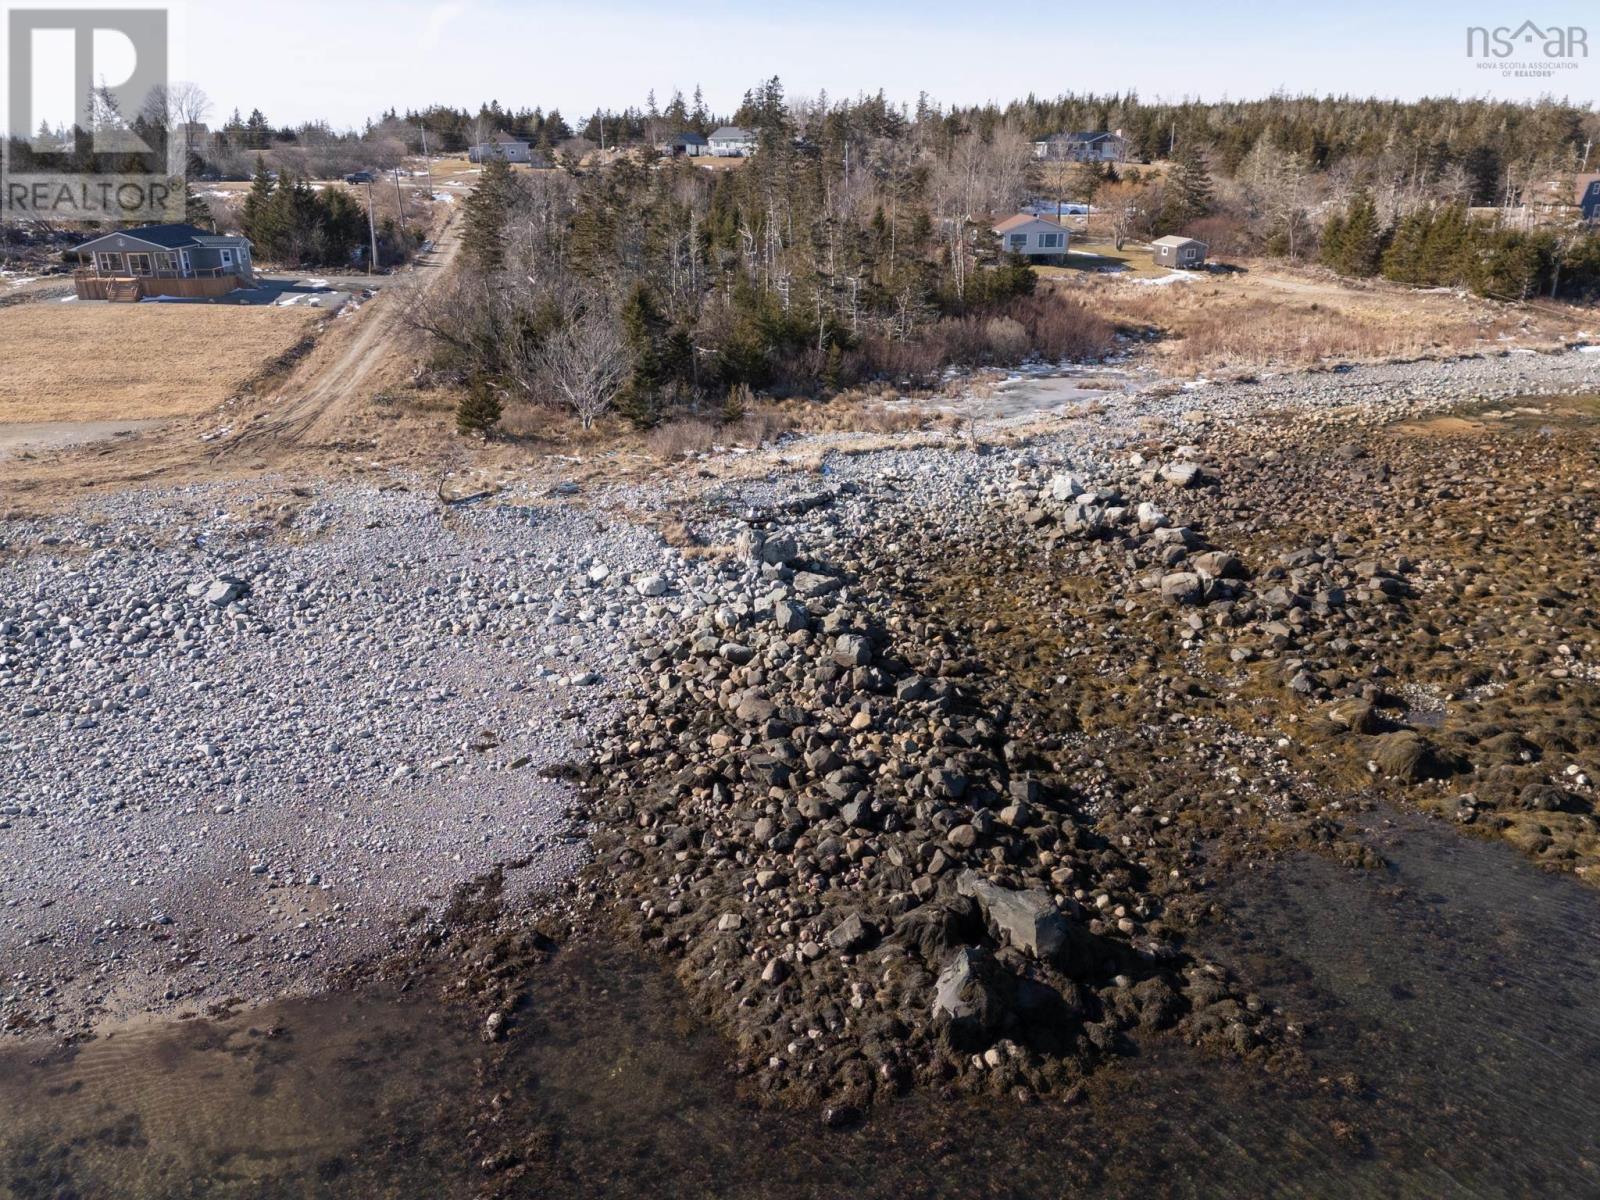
651, 286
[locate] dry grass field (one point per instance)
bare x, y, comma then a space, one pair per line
113, 362
1271, 317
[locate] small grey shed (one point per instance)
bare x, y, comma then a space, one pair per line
1175, 251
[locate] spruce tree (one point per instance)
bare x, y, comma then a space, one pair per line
1363, 238
478, 411
1331, 252
1403, 261
1352, 241
483, 238
257, 132
196, 211
1189, 194
256, 219
643, 331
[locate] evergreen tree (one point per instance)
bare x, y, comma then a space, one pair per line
257, 132
1331, 250
256, 218
479, 409
1447, 247
1404, 261
483, 237
644, 330
196, 211
1189, 193
1363, 238
1352, 242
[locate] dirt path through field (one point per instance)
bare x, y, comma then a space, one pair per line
317, 400
316, 408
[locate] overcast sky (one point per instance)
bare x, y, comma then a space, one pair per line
345, 60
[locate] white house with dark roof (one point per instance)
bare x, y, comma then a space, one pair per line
730, 141
502, 145
1083, 146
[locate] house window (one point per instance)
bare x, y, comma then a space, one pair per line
113, 262
1049, 241
227, 258
1018, 240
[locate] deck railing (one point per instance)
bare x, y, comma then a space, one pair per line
153, 273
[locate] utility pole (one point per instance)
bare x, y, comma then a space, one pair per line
399, 197
426, 165
372, 229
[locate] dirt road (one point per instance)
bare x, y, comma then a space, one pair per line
319, 398
319, 406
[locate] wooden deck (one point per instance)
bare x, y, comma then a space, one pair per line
131, 288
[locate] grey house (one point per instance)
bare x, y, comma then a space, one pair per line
1180, 252
1034, 238
163, 260
1084, 146
731, 142
509, 148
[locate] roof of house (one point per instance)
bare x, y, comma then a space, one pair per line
510, 140
169, 237
732, 133
1581, 185
1088, 135
1173, 241
1021, 219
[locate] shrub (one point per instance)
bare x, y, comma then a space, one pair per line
1006, 341
479, 410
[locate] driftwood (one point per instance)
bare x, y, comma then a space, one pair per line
468, 499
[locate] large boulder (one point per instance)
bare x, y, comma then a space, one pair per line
965, 996
811, 585
1182, 474
1028, 919
1064, 486
1181, 587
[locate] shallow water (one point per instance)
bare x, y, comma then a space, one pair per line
1455, 1036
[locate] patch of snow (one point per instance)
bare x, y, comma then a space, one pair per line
1164, 280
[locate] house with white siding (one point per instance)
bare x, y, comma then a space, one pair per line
732, 142
1034, 238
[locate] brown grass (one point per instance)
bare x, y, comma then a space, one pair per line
112, 362
1274, 317
847, 413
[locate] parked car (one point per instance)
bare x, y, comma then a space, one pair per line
359, 177
1051, 208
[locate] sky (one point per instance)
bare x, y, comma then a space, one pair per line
347, 60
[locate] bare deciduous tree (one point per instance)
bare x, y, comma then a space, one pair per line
586, 363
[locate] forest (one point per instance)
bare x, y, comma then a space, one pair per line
854, 244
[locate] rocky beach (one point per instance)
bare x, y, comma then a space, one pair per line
926, 769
